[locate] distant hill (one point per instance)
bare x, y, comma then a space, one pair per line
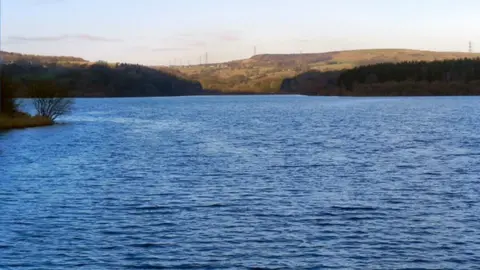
87, 79
265, 73
18, 57
353, 57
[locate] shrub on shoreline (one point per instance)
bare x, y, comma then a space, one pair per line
22, 120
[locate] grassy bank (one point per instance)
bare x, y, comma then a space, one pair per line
20, 121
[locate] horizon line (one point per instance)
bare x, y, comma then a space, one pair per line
240, 59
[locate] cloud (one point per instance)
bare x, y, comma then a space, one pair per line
140, 48
11, 42
188, 41
97, 38
229, 35
198, 44
170, 49
85, 37
200, 38
305, 40
185, 35
22, 38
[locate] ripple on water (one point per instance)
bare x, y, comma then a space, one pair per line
245, 183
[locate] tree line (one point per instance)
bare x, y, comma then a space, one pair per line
461, 70
408, 78
105, 80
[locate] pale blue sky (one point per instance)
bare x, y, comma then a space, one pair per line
160, 31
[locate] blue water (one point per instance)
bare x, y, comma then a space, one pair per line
243, 182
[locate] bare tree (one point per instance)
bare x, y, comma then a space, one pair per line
50, 99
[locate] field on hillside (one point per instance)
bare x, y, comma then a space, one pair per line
265, 73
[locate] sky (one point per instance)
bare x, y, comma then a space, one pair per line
163, 32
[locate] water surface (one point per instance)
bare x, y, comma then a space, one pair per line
243, 182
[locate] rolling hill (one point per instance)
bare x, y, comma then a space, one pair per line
89, 79
265, 73
9, 57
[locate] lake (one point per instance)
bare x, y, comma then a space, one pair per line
245, 182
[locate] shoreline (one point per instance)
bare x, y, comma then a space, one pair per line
279, 94
23, 122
